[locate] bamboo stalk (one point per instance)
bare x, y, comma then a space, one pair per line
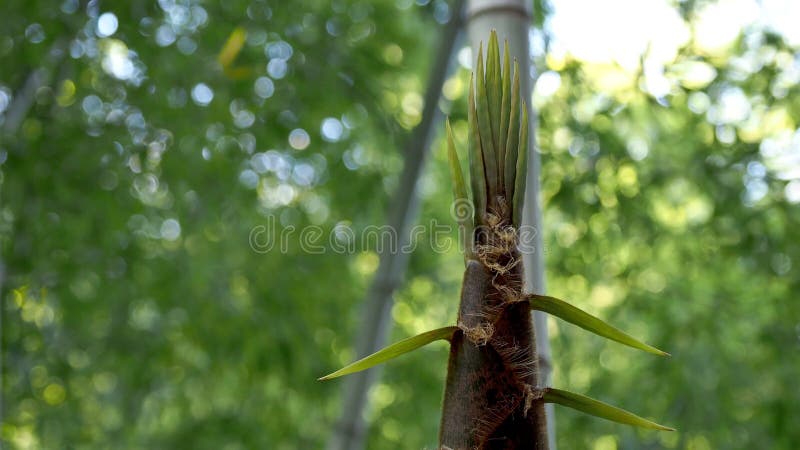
478, 383
512, 19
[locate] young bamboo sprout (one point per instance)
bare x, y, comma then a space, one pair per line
492, 398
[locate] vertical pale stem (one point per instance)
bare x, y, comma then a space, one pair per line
2, 350
350, 431
512, 20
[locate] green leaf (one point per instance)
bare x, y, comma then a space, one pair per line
485, 131
576, 316
461, 200
493, 89
522, 168
505, 110
232, 47
512, 138
457, 176
393, 351
477, 179
598, 409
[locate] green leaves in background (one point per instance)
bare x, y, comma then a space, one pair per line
576, 316
663, 213
597, 408
393, 351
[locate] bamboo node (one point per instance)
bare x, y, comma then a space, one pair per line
531, 394
480, 334
497, 251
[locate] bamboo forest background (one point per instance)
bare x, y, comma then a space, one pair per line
136, 159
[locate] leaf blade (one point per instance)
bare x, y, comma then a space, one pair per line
485, 131
600, 409
505, 110
577, 316
493, 88
476, 170
459, 192
393, 351
233, 45
522, 168
512, 138
456, 175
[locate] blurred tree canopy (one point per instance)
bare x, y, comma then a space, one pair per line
140, 148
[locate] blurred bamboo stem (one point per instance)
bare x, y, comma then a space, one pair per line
25, 96
512, 20
350, 431
2, 350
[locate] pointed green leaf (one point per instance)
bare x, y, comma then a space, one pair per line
485, 131
493, 88
457, 176
512, 138
597, 408
477, 179
522, 168
393, 351
505, 110
576, 316
460, 198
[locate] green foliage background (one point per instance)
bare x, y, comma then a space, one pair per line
120, 330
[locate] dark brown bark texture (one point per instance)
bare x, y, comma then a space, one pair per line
491, 399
